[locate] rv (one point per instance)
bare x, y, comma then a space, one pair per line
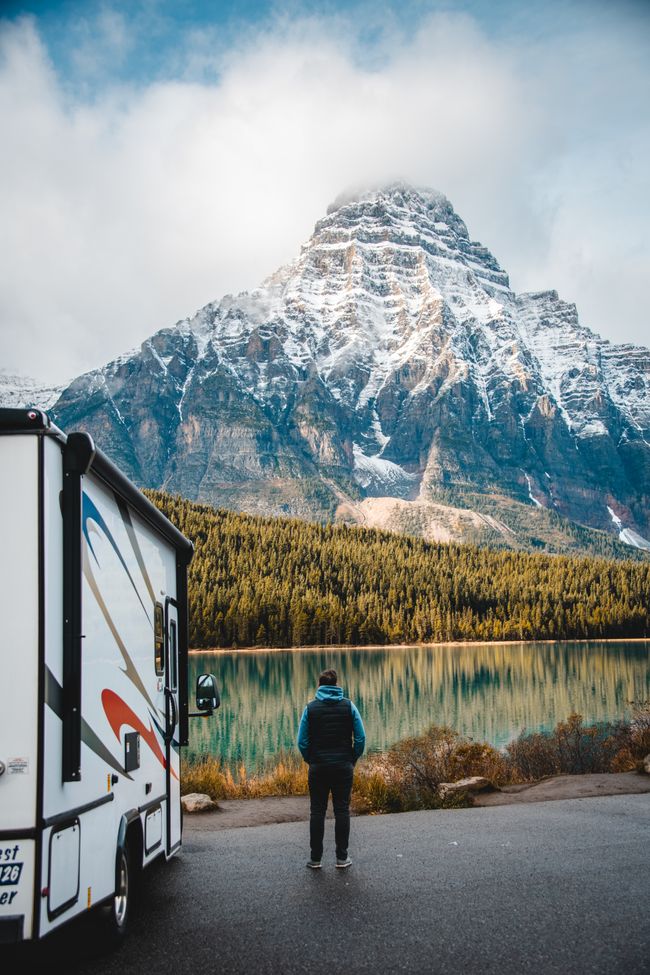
93, 674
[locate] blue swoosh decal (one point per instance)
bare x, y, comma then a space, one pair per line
91, 512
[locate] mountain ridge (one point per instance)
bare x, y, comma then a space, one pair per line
390, 360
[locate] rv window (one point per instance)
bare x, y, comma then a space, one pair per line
159, 639
173, 656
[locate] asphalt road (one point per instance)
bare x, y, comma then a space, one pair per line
549, 887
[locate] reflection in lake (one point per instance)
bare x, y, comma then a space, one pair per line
488, 692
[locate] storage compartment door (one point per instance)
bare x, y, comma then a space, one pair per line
65, 853
153, 830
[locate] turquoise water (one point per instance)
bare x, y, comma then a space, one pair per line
488, 692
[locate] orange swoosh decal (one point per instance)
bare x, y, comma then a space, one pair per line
119, 713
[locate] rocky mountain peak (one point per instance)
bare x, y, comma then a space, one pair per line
397, 194
406, 217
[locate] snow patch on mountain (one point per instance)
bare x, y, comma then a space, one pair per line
628, 535
376, 473
18, 392
530, 491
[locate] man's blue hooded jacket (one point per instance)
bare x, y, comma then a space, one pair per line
328, 692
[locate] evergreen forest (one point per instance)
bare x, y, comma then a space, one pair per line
258, 581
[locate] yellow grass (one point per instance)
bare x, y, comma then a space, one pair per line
288, 777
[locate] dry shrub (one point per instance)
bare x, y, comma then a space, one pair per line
477, 758
441, 755
532, 756
421, 764
572, 748
373, 792
623, 761
408, 775
586, 748
634, 739
640, 729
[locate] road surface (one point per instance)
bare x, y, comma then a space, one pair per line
556, 887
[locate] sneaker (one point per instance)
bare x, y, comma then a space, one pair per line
343, 863
314, 864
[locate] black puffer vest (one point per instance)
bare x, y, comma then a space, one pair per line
330, 732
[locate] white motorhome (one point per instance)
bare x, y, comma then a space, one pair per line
93, 671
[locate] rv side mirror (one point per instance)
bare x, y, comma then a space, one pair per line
207, 693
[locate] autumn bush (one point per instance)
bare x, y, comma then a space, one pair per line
640, 728
574, 748
635, 743
477, 758
582, 749
408, 775
532, 756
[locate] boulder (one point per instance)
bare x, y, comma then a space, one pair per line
198, 802
475, 783
646, 764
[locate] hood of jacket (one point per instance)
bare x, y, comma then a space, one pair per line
329, 692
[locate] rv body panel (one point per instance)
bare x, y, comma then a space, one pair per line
128, 571
120, 691
60, 837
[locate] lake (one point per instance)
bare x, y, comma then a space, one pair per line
487, 692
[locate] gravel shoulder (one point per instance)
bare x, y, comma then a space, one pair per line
569, 787
237, 813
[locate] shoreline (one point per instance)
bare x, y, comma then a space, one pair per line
330, 647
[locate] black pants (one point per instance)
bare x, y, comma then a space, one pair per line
324, 779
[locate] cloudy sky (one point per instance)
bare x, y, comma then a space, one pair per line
157, 155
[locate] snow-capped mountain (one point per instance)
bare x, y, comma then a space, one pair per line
389, 375
22, 391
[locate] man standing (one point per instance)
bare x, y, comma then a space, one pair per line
331, 738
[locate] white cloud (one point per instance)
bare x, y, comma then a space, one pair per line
124, 213
98, 44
